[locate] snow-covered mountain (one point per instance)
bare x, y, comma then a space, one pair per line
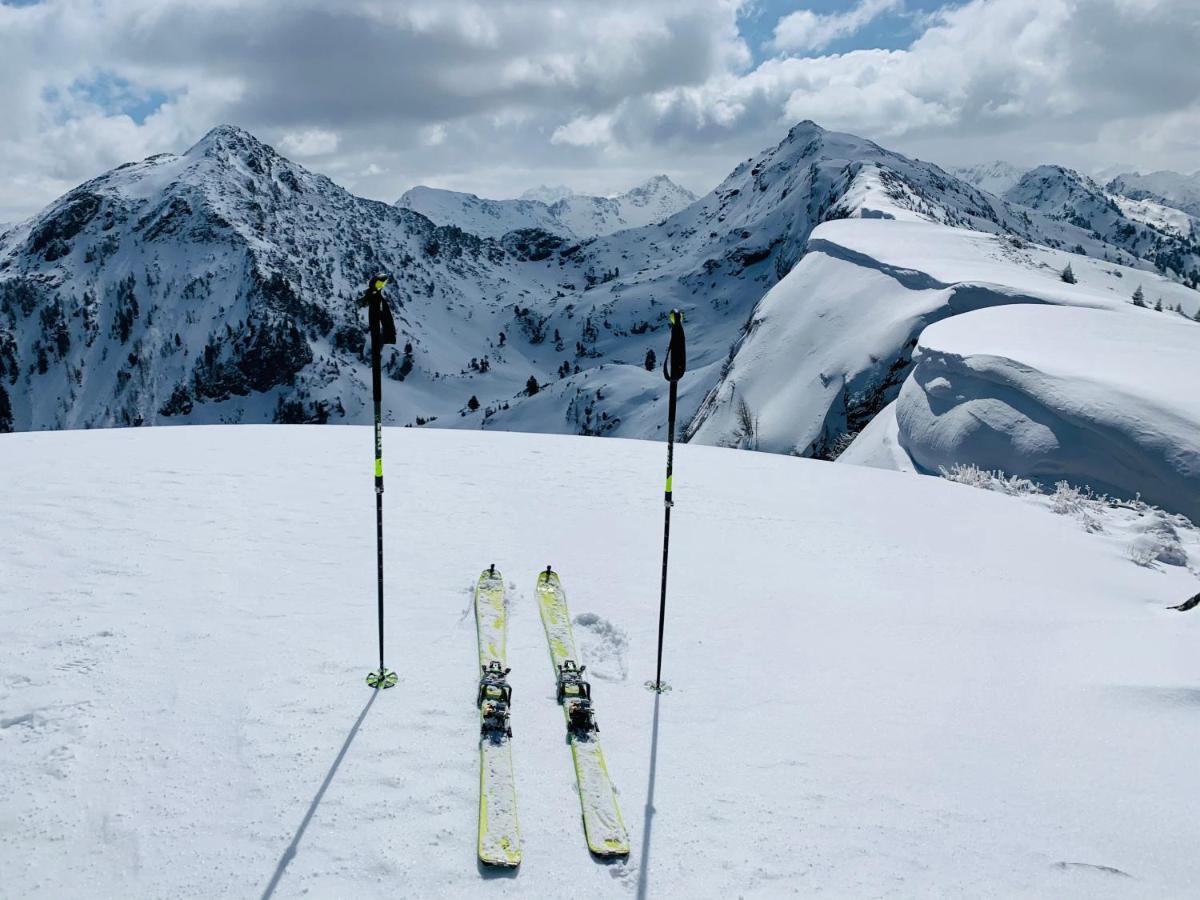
652, 201
220, 285
486, 218
548, 193
993, 177
1065, 195
1167, 188
555, 209
983, 698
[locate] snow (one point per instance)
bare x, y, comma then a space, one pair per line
883, 685
1058, 393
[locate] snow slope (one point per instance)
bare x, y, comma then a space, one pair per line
1163, 218
859, 709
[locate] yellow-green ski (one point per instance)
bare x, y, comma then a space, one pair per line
499, 831
602, 823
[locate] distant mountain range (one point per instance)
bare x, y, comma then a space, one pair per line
555, 209
220, 285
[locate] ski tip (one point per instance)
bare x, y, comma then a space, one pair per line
490, 573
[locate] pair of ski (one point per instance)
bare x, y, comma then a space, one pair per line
499, 833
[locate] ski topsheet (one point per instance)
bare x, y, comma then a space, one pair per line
499, 834
602, 822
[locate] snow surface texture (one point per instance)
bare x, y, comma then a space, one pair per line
859, 709
557, 210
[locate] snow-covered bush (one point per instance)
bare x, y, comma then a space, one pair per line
973, 476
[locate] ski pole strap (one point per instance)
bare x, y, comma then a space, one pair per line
675, 363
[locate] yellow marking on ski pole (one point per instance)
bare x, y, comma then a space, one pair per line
670, 478
378, 467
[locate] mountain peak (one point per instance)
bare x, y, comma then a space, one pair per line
224, 139
658, 186
805, 131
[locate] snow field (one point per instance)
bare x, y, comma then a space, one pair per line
883, 686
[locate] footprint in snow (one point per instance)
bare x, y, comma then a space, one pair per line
603, 646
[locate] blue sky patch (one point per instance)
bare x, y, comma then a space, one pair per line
894, 30
116, 95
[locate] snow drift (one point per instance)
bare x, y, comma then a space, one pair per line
1058, 393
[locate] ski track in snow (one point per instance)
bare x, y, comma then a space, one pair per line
883, 686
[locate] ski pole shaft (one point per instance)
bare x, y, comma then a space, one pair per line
382, 332
674, 365
379, 517
662, 603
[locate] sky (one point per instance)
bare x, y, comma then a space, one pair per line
495, 97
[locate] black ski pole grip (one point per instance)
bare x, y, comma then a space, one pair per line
675, 363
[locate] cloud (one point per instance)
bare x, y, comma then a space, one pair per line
806, 30
1035, 80
493, 97
584, 131
311, 142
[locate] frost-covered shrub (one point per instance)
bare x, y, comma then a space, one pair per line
973, 476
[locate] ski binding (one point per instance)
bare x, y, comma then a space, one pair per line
494, 699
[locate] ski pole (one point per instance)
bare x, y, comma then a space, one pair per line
383, 331
674, 365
